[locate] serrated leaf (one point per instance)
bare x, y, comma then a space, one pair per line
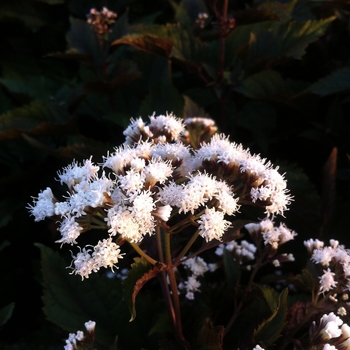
269, 331
270, 40
289, 39
170, 41
31, 118
141, 271
268, 84
333, 83
6, 313
147, 43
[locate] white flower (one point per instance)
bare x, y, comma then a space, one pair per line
157, 171
327, 281
323, 256
329, 347
312, 244
131, 182
74, 174
90, 326
331, 324
197, 265
285, 234
167, 124
200, 189
120, 220
257, 347
170, 194
70, 230
44, 205
163, 212
84, 263
106, 253
212, 224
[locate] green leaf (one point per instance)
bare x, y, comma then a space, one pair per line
265, 41
163, 98
270, 295
232, 269
210, 337
141, 272
267, 84
35, 117
25, 11
282, 10
192, 110
269, 331
181, 14
6, 313
289, 39
170, 41
83, 40
335, 82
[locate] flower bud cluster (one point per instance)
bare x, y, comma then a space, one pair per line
101, 20
77, 341
334, 260
154, 179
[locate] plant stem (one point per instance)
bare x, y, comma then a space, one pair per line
163, 280
186, 248
174, 291
142, 253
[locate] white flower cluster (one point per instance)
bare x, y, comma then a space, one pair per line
272, 235
265, 183
151, 178
242, 252
331, 332
198, 267
76, 339
335, 262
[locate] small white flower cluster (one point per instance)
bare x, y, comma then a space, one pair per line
243, 252
151, 178
198, 267
335, 262
272, 235
331, 332
76, 339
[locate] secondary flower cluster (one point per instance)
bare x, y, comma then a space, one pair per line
101, 20
77, 341
156, 180
335, 263
330, 332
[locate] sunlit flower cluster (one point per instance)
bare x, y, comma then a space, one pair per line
156, 180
